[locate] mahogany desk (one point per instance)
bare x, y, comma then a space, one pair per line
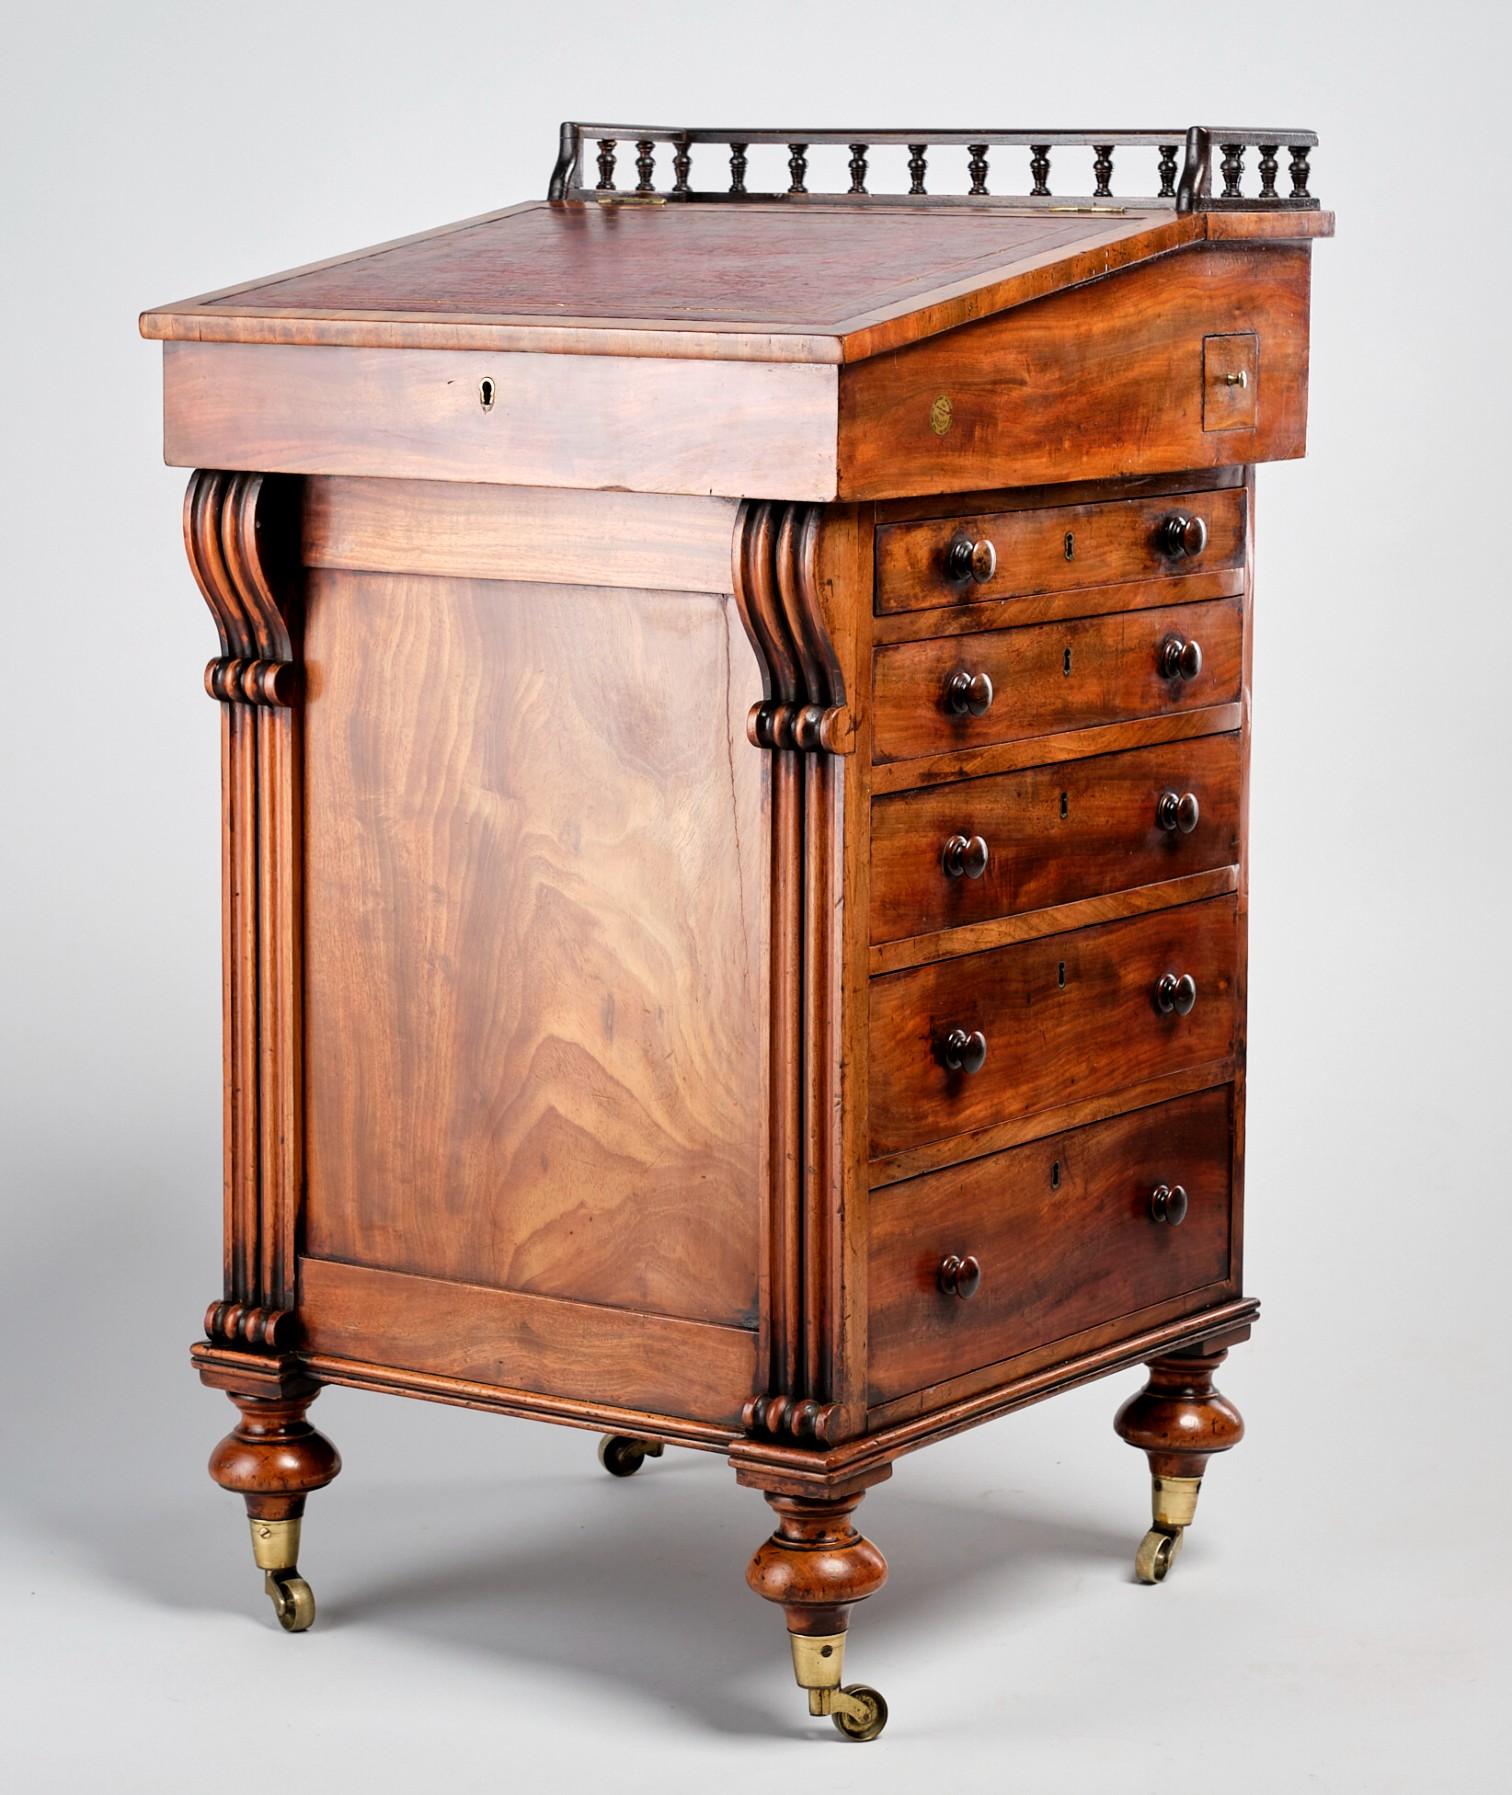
735, 725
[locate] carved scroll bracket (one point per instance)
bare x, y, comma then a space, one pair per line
805, 723
241, 532
777, 590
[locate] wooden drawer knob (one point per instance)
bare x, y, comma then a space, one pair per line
964, 1052
1175, 996
1168, 1203
1178, 811
959, 1275
968, 694
966, 559
1180, 659
964, 855
1183, 536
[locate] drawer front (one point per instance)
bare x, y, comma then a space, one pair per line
921, 566
958, 692
1064, 1018
1064, 1233
1051, 835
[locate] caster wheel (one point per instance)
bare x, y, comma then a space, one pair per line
1157, 1553
293, 1602
872, 1723
622, 1456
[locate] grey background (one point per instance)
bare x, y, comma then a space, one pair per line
496, 1612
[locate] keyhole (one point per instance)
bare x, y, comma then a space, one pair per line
1065, 806
1070, 545
1060, 976
1066, 664
1055, 1176
486, 393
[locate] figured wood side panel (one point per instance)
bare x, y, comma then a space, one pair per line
536, 910
665, 543
507, 1340
741, 429
1100, 382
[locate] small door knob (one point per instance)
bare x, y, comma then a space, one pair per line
968, 694
964, 855
1168, 1203
1180, 659
1183, 535
1178, 811
959, 1275
966, 559
1175, 996
964, 1052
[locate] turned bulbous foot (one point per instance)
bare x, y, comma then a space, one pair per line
273, 1459
816, 1566
1179, 1420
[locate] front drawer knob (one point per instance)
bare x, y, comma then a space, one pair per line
1183, 536
967, 1052
968, 560
964, 855
1175, 996
1168, 1203
959, 1275
968, 694
1178, 811
1180, 659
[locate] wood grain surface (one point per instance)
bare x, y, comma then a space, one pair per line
1067, 1016
535, 924
1053, 676
1102, 381
1054, 550
1054, 835
741, 429
1063, 1233
533, 1343
545, 533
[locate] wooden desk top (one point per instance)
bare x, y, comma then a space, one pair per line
797, 277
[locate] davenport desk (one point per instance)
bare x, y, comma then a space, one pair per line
735, 724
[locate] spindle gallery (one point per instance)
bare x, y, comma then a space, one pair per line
734, 689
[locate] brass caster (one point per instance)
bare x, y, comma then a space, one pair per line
1157, 1553
865, 1714
622, 1455
292, 1598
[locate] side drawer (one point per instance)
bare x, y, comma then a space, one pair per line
1065, 1236
924, 565
1051, 835
956, 692
1063, 1018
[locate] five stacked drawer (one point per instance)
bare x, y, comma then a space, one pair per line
1056, 1004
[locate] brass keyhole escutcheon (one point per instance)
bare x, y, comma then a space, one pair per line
486, 392
941, 415
1070, 545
